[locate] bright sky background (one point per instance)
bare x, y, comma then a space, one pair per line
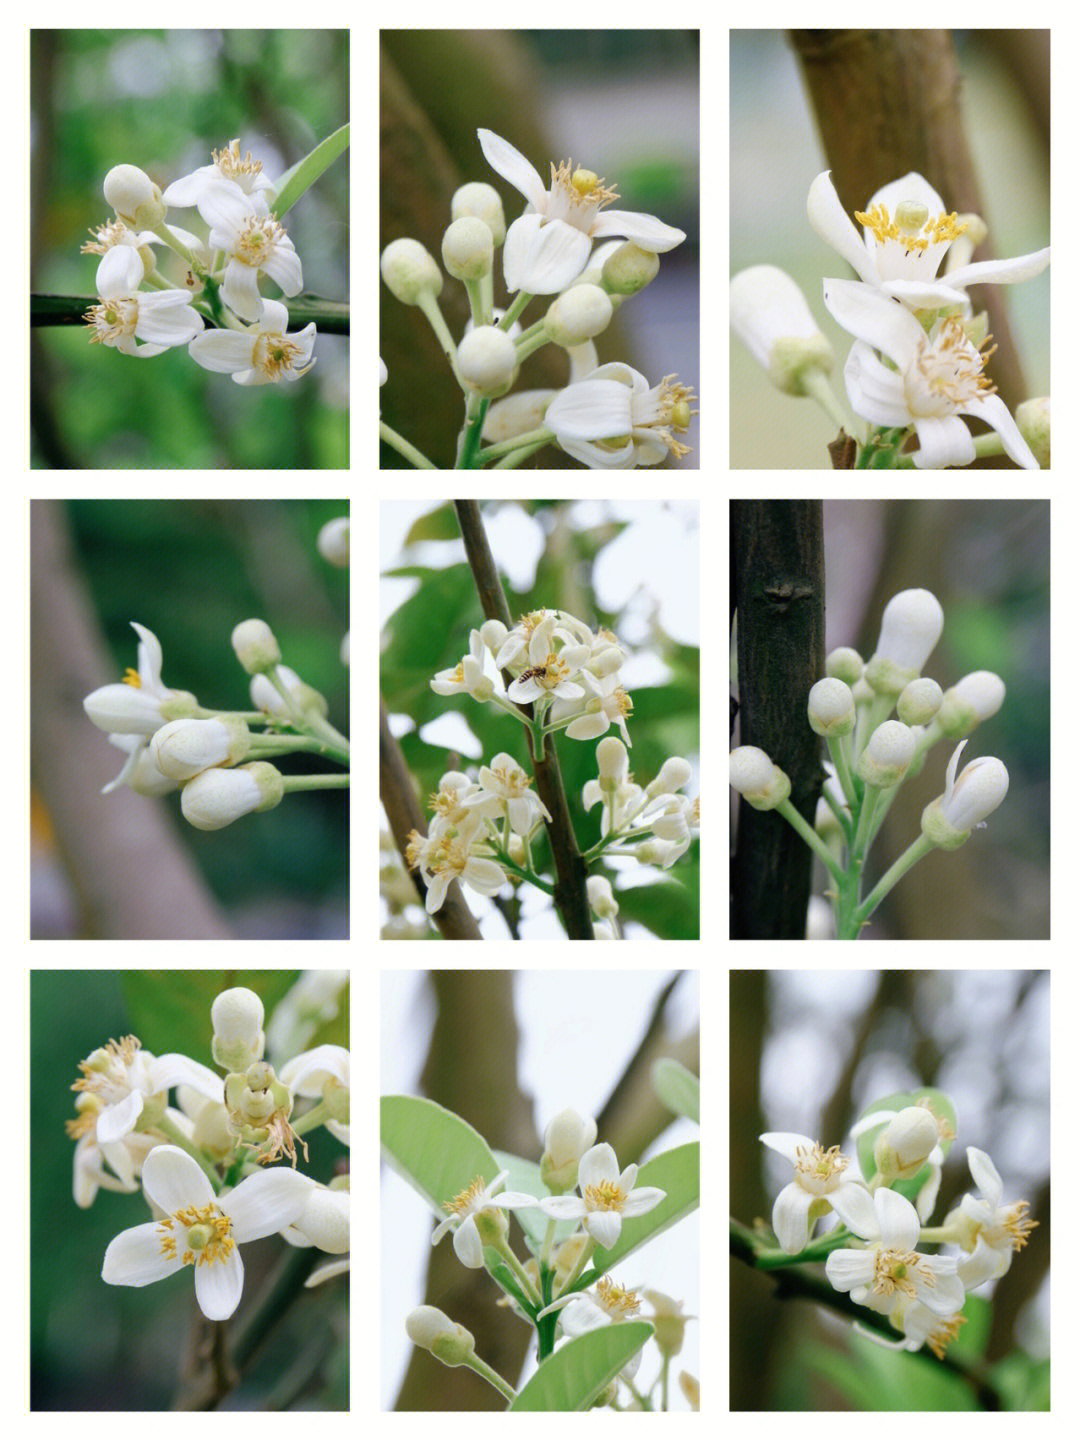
566, 1059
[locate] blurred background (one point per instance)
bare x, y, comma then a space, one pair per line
508, 1051
988, 562
109, 1347
164, 100
810, 1050
629, 565
776, 153
127, 866
623, 103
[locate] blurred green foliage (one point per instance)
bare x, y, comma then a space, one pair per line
190, 571
164, 100
429, 632
102, 1347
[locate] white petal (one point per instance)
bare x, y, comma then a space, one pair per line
876, 392
985, 1174
223, 350
218, 1287
791, 1217
994, 411
830, 220
597, 1165
898, 1220
512, 166
284, 268
134, 1258
166, 1071
118, 1120
847, 1269
593, 409
870, 316
543, 259
944, 440
467, 1246
1000, 272
787, 1143
240, 290
605, 1227
173, 1181
645, 231
265, 1202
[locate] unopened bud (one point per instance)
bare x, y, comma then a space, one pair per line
255, 646
578, 315
629, 270
487, 361
468, 249
410, 271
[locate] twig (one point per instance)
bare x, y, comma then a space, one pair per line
453, 917
571, 899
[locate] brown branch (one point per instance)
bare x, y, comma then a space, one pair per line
453, 917
571, 899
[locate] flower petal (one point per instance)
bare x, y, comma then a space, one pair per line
134, 1257
173, 1180
830, 220
265, 1202
512, 165
218, 1287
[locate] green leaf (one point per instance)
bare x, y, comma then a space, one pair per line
573, 1377
437, 1152
679, 1089
676, 1172
305, 172
438, 524
170, 1009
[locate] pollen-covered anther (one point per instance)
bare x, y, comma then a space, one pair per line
112, 320
230, 164
105, 237
580, 186
912, 227
944, 1333
462, 1203
619, 1302
604, 1195
819, 1163
257, 240
276, 354
893, 1270
206, 1235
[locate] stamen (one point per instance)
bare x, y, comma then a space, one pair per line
463, 1202
604, 1196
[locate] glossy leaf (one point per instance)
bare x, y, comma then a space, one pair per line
573, 1377
679, 1089
305, 172
437, 1152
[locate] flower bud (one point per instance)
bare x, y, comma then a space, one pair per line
218, 797
612, 760
888, 753
968, 799
911, 626
629, 269
772, 319
185, 748
431, 1330
333, 542
493, 633
255, 646
845, 664
306, 699
487, 361
134, 197
971, 700
761, 783
237, 1017
668, 1321
602, 900
569, 1135
468, 249
1033, 422
919, 702
324, 1219
904, 1146
410, 271
831, 708
672, 776
482, 202
577, 315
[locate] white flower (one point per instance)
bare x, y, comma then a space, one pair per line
919, 1325
246, 174
463, 1210
133, 707
445, 856
819, 1176
607, 1196
976, 793
911, 1139
504, 790
551, 670
990, 1231
201, 1229
890, 1265
606, 703
262, 354
614, 420
605, 1304
548, 247
123, 1157
467, 677
122, 1076
911, 625
140, 772
907, 235
158, 318
771, 317
938, 377
252, 243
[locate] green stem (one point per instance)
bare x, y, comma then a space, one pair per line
491, 1376
816, 385
474, 425
537, 437
402, 446
812, 838
517, 305
315, 782
915, 851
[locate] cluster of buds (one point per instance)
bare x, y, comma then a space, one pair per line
142, 312
608, 416
901, 1149
871, 753
483, 828
219, 760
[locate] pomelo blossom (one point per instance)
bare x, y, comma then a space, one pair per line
443, 857
201, 1229
607, 1196
122, 1076
254, 244
918, 1324
614, 419
125, 315
262, 354
465, 1207
605, 703
229, 166
889, 1265
819, 1176
989, 1231
906, 236
115, 234
607, 1303
548, 247
938, 377
505, 790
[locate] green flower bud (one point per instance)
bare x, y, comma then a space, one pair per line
468, 249
578, 314
629, 270
410, 271
487, 361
